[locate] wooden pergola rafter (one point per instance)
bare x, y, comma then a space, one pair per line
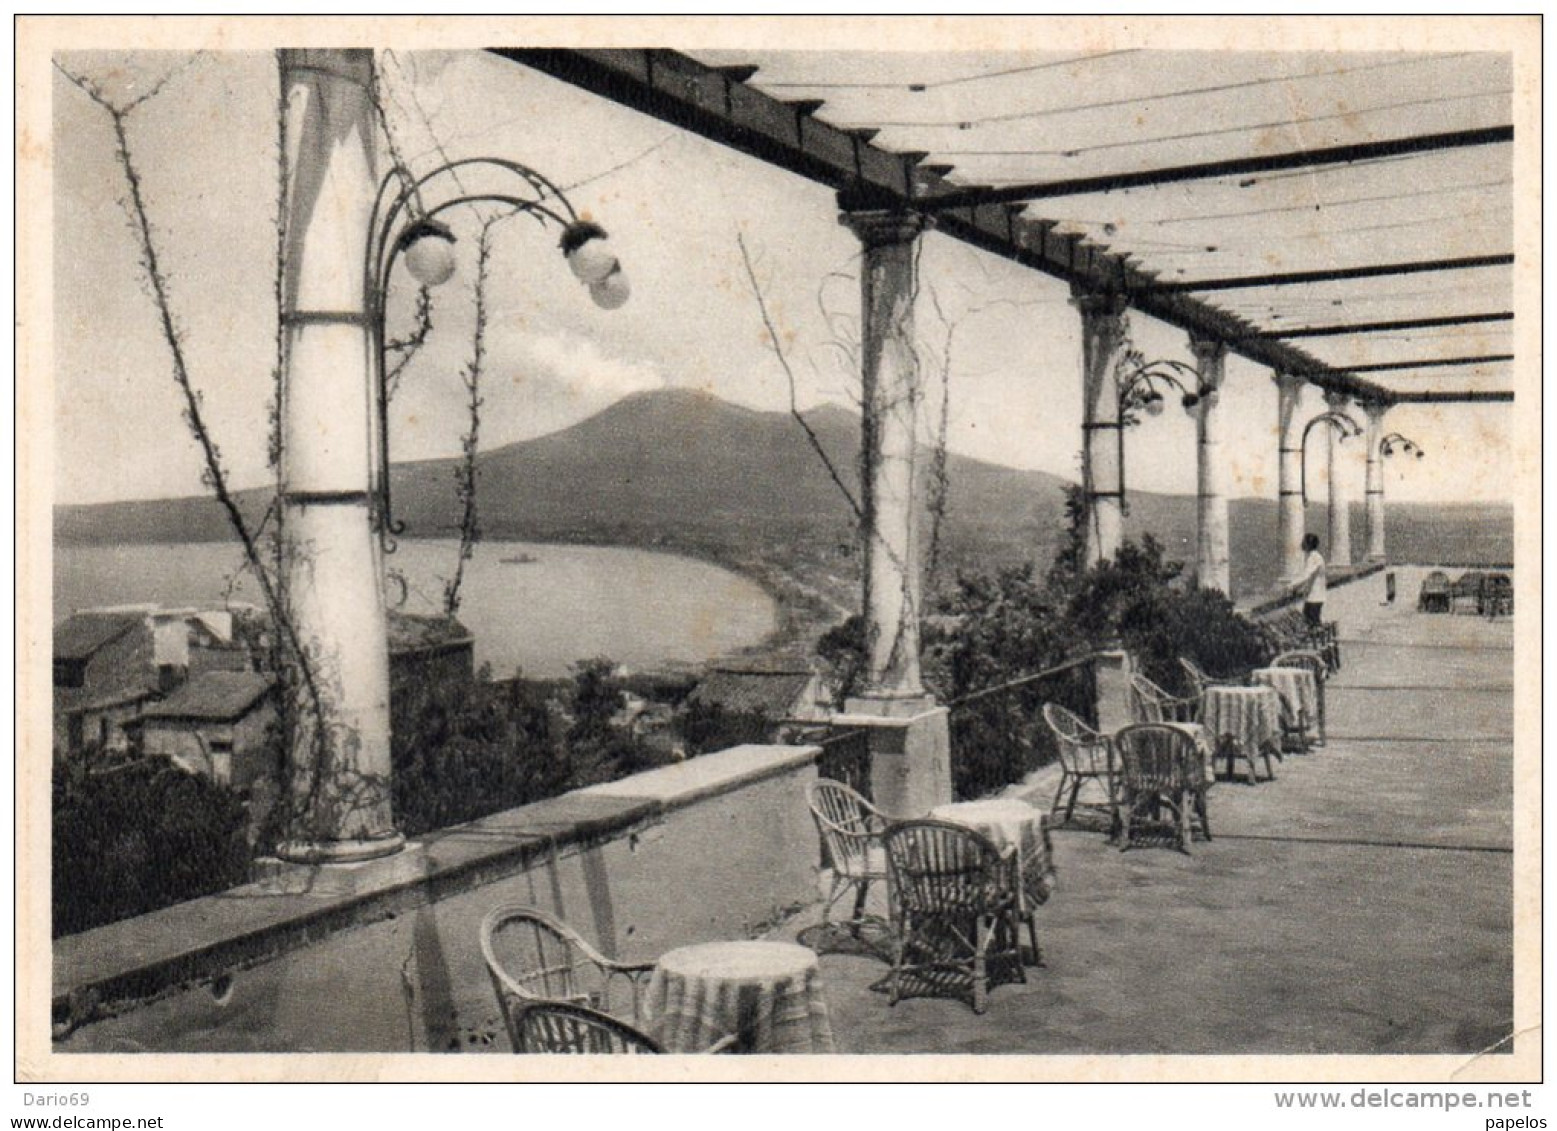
1348, 328
1265, 163
718, 102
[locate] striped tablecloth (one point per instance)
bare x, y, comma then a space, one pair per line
768, 994
1007, 823
1248, 716
1203, 743
1299, 694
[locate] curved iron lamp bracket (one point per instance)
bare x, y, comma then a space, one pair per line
1138, 384
1338, 422
1394, 442
400, 215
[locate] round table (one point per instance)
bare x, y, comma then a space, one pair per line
1203, 743
767, 994
1244, 721
1299, 693
1009, 823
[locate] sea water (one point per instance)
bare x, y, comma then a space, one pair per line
540, 610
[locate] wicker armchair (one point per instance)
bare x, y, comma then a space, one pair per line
1199, 680
1498, 595
1085, 756
534, 958
1315, 664
1160, 767
1291, 629
558, 1027
1151, 704
1436, 595
1465, 593
851, 829
956, 906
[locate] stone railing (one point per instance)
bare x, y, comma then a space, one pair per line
385, 955
1335, 578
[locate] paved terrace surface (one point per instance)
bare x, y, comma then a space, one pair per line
1359, 904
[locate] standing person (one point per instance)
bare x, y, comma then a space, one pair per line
1312, 583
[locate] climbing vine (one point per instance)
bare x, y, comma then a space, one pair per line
465, 472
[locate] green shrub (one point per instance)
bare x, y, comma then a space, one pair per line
1201, 625
707, 727
140, 836
462, 749
842, 652
991, 630
1138, 602
994, 629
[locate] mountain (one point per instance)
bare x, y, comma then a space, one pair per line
690, 461
196, 518
680, 468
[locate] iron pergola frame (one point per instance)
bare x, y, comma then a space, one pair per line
718, 104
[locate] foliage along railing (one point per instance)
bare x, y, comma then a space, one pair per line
998, 735
133, 837
845, 756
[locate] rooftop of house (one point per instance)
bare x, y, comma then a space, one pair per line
80, 635
76, 700
215, 696
771, 692
776, 663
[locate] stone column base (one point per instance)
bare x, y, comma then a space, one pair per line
1113, 670
910, 751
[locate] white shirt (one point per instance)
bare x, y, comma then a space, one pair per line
1314, 571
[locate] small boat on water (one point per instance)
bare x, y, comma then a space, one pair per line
520, 559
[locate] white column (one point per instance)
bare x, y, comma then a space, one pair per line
1102, 455
1340, 506
889, 487
1375, 480
331, 567
1289, 432
1212, 558
910, 737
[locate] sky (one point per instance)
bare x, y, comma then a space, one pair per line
674, 205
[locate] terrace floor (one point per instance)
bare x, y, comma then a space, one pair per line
1362, 903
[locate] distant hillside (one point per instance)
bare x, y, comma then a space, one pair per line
681, 468
691, 462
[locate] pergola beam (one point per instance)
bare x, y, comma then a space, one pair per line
1238, 166
1337, 274
1430, 363
1342, 329
713, 103
1449, 397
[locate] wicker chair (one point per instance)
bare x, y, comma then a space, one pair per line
558, 1027
1498, 595
957, 910
1151, 704
1465, 593
1436, 595
1314, 663
1085, 756
851, 829
1161, 767
1291, 629
534, 958
1199, 680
